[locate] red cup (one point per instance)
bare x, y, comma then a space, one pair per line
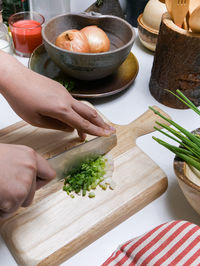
26, 31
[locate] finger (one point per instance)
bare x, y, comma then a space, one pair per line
12, 209
40, 183
7, 209
45, 173
52, 123
81, 124
5, 215
28, 200
91, 115
82, 135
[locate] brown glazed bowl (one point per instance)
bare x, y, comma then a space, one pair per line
189, 181
87, 66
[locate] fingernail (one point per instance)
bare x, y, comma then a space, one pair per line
112, 129
107, 132
83, 137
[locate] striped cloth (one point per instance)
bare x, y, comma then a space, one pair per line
173, 243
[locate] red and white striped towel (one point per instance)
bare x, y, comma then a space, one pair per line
173, 243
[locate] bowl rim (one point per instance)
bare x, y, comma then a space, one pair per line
87, 15
151, 30
180, 166
179, 169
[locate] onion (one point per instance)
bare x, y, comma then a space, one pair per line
73, 40
97, 38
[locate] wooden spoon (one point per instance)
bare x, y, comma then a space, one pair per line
168, 4
186, 22
194, 20
193, 5
179, 9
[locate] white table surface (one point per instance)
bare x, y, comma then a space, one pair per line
122, 109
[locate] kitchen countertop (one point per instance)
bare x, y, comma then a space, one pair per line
172, 205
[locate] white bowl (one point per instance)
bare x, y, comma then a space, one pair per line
153, 13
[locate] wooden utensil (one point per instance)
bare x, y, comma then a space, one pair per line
168, 4
179, 9
194, 20
186, 22
56, 226
193, 5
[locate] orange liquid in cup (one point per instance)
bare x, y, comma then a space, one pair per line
26, 35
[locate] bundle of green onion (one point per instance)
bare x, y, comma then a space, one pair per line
189, 149
89, 175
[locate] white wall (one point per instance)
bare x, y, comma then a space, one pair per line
81, 5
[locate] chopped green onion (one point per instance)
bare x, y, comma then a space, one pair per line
90, 174
91, 195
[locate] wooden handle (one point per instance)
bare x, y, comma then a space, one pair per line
146, 122
193, 5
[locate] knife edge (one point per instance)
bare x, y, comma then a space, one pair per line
70, 160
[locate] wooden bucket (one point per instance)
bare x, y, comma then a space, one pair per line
176, 65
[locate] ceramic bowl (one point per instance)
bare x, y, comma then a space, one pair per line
189, 181
119, 81
149, 23
87, 66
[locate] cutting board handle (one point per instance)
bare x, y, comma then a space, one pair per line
145, 123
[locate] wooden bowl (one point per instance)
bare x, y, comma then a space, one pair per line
189, 181
87, 66
148, 36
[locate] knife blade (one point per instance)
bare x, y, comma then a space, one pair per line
71, 159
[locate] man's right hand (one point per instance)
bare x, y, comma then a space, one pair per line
22, 172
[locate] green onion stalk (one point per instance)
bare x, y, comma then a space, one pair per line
189, 143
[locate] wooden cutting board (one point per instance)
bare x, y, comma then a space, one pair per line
56, 226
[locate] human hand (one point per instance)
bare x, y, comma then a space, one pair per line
22, 172
43, 102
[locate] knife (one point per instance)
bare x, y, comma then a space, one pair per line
70, 160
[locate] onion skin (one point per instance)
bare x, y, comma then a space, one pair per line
97, 39
73, 40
